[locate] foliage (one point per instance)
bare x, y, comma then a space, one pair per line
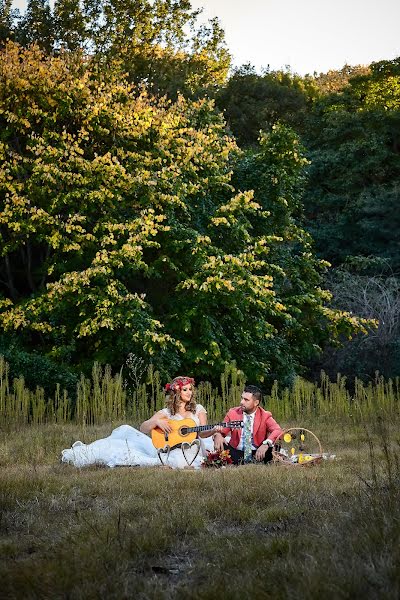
121, 231
253, 102
37, 370
104, 398
353, 137
335, 80
348, 121
370, 296
156, 42
36, 26
94, 181
276, 173
7, 19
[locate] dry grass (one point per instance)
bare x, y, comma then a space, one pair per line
243, 532
105, 398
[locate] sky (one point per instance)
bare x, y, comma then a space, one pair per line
307, 35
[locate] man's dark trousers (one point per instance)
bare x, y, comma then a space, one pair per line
237, 455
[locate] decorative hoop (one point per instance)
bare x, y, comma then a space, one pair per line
304, 459
185, 447
166, 450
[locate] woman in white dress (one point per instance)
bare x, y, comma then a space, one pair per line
126, 446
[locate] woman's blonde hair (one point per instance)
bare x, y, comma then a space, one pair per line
173, 391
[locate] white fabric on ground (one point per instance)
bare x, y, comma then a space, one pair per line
126, 446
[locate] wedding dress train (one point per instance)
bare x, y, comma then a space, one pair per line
126, 446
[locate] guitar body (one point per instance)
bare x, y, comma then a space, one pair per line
160, 438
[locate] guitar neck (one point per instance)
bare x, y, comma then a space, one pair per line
205, 427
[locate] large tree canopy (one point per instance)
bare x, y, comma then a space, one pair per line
354, 146
121, 231
157, 43
253, 102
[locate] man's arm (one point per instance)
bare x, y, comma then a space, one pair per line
273, 429
219, 436
263, 449
273, 432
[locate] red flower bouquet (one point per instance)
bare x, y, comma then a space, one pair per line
217, 459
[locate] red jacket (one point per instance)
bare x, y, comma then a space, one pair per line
265, 427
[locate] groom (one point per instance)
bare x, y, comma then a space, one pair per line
260, 430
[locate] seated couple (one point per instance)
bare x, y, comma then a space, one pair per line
127, 446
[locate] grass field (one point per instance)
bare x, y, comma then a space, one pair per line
330, 531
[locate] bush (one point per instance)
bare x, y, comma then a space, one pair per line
38, 370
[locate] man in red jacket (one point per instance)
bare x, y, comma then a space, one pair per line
258, 435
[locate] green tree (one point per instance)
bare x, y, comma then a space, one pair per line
121, 231
71, 24
253, 102
335, 81
160, 44
8, 19
37, 25
276, 173
354, 146
156, 42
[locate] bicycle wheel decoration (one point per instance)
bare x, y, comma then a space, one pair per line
297, 446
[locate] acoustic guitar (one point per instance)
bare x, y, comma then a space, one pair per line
184, 430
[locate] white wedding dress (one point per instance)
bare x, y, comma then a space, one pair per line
128, 447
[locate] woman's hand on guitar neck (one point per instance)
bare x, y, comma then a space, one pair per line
210, 432
217, 429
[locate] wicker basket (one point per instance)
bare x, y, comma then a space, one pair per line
304, 459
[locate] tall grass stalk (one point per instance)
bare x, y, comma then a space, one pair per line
105, 398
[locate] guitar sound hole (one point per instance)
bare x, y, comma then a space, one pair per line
184, 431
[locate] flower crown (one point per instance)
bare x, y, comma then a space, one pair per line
178, 383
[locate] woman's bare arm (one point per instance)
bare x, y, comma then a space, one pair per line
203, 421
159, 419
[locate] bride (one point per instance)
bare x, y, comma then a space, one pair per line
126, 446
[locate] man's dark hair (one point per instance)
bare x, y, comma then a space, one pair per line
253, 389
